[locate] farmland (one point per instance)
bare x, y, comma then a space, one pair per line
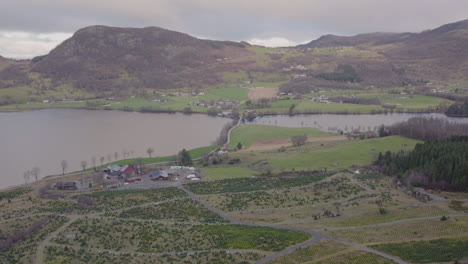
320, 199
248, 134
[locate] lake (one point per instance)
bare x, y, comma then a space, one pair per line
335, 122
45, 137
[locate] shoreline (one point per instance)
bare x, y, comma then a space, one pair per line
315, 112
225, 144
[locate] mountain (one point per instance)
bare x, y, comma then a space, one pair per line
362, 39
100, 57
99, 61
440, 54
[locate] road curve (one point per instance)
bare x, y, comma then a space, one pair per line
317, 236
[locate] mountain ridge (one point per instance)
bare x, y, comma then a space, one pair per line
103, 60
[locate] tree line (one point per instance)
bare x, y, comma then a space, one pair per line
427, 128
460, 110
437, 164
343, 73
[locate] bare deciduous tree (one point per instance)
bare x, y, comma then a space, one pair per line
93, 162
138, 164
116, 155
101, 159
84, 164
64, 165
108, 158
150, 151
35, 172
26, 176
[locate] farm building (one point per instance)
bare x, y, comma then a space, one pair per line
159, 175
117, 171
128, 171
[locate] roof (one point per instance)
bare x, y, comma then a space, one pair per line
128, 169
115, 173
114, 167
123, 168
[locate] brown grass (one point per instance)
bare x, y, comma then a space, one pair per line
257, 93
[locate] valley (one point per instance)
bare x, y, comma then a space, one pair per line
147, 145
319, 202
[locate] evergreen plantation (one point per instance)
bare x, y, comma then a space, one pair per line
436, 164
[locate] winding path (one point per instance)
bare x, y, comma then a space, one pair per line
317, 237
40, 251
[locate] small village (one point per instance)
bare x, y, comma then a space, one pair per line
129, 177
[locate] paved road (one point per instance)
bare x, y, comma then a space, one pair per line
317, 236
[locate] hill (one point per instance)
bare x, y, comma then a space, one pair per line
100, 57
361, 39
438, 54
101, 61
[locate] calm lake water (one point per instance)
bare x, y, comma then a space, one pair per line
43, 138
331, 122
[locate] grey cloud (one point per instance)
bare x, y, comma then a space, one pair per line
296, 20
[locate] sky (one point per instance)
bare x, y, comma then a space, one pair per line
33, 27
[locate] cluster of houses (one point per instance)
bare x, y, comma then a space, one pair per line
115, 176
62, 100
115, 173
295, 68
222, 104
321, 99
160, 100
174, 172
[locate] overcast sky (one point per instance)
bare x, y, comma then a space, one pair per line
33, 27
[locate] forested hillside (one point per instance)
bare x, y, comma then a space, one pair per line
436, 164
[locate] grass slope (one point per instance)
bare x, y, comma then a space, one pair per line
337, 155
440, 250
247, 134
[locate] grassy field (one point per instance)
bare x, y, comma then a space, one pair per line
226, 93
330, 252
405, 231
332, 155
440, 250
247, 134
410, 101
244, 237
226, 173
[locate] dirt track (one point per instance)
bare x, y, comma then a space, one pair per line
262, 92
269, 144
